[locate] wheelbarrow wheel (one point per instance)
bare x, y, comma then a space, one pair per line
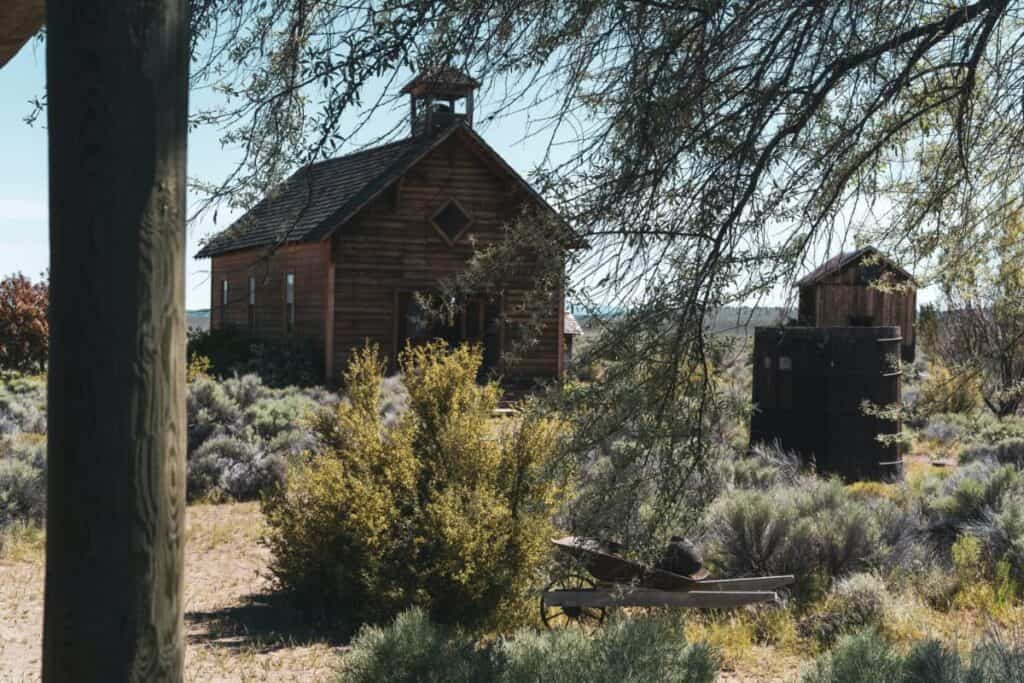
559, 616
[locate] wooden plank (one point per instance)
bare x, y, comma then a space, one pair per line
755, 583
654, 598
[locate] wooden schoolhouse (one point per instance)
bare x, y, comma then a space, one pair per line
338, 254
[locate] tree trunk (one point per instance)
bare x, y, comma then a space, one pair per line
117, 79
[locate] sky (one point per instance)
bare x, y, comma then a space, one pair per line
24, 241
24, 231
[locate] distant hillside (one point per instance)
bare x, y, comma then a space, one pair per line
198, 319
737, 321
740, 321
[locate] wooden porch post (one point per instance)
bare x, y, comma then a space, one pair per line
117, 83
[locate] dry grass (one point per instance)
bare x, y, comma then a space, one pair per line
235, 630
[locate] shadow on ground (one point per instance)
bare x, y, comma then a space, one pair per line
263, 623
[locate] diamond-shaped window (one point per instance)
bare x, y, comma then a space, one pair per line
451, 221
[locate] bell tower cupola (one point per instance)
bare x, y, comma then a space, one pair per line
438, 97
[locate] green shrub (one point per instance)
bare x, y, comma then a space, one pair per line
227, 467
932, 662
440, 509
210, 412
268, 417
946, 390
863, 657
628, 650
279, 363
414, 650
999, 661
22, 491
1005, 452
1008, 428
966, 497
814, 529
246, 390
856, 601
866, 657
22, 404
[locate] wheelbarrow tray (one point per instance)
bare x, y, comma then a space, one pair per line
611, 568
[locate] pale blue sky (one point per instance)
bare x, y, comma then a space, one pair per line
24, 239
23, 173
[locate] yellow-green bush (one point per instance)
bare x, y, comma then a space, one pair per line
977, 590
440, 508
946, 390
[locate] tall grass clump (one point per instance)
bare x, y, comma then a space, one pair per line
813, 528
439, 507
857, 601
761, 467
413, 650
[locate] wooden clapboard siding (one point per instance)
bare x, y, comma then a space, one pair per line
391, 247
309, 262
842, 295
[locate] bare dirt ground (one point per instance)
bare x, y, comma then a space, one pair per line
235, 630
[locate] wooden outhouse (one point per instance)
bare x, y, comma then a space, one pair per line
862, 288
809, 389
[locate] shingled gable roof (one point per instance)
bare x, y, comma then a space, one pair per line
842, 260
318, 199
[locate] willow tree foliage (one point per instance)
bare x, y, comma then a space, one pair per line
703, 150
981, 333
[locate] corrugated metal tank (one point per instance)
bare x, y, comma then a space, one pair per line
809, 385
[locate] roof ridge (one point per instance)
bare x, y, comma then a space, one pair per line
377, 148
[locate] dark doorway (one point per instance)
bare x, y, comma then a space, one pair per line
478, 320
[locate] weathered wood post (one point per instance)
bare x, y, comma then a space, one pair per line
117, 76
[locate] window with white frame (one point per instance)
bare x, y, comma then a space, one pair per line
289, 301
252, 303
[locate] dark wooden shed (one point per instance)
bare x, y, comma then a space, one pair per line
809, 385
839, 293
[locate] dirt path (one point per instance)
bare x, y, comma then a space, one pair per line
234, 631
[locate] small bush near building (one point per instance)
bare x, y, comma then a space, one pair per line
440, 508
242, 435
414, 650
279, 363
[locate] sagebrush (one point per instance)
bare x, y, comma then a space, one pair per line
437, 507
